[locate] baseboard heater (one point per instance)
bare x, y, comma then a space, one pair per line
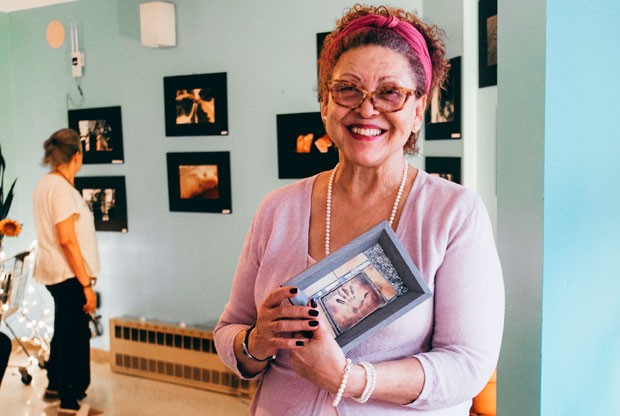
174, 353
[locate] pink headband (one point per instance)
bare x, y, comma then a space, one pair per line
405, 30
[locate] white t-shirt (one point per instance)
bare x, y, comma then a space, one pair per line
55, 200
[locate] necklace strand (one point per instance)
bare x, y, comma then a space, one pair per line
328, 210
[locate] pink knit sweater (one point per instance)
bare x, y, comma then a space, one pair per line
456, 334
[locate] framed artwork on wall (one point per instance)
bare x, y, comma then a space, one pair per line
107, 199
445, 167
487, 43
304, 148
443, 118
320, 38
101, 133
199, 182
196, 105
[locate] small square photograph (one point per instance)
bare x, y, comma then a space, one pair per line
199, 182
351, 302
304, 148
443, 118
448, 168
106, 198
196, 105
101, 134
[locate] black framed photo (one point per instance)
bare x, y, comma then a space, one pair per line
443, 118
445, 167
101, 133
196, 105
304, 148
107, 199
320, 38
487, 43
363, 286
199, 182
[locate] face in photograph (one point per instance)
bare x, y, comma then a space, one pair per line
351, 302
198, 182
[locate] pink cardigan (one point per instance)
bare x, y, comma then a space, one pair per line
456, 334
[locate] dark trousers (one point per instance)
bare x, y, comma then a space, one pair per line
5, 352
68, 368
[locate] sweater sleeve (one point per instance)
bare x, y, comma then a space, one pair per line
469, 316
240, 311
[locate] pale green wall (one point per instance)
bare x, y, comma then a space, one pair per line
172, 266
520, 161
581, 293
6, 113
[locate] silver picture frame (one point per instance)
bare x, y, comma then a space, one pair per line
363, 286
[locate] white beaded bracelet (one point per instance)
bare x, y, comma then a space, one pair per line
343, 383
371, 382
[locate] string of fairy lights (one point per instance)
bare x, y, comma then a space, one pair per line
27, 308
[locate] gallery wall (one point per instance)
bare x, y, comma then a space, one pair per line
558, 207
171, 266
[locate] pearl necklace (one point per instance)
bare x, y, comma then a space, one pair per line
328, 211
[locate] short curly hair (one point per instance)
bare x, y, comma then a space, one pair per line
331, 53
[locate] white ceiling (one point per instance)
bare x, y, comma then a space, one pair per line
13, 5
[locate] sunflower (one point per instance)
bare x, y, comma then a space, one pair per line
10, 228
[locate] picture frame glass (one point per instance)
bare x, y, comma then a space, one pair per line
101, 134
196, 105
363, 286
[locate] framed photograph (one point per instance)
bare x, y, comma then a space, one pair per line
487, 43
101, 134
363, 286
196, 105
445, 167
107, 199
199, 182
304, 148
443, 118
320, 38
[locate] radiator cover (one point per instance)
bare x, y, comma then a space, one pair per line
169, 352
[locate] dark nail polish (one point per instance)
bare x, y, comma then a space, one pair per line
313, 312
294, 291
314, 323
299, 343
313, 303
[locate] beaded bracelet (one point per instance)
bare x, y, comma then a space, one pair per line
343, 383
371, 382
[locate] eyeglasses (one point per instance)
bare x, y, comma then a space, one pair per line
386, 99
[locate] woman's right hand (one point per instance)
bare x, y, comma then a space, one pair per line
281, 325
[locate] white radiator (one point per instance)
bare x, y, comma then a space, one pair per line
168, 352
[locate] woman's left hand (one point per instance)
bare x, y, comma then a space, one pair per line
321, 360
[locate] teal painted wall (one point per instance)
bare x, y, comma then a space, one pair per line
171, 266
581, 292
6, 113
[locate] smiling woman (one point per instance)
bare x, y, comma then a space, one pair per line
376, 71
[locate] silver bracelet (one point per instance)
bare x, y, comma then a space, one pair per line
246, 351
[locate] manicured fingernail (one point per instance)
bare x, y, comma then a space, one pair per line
313, 312
293, 291
299, 343
314, 323
313, 303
